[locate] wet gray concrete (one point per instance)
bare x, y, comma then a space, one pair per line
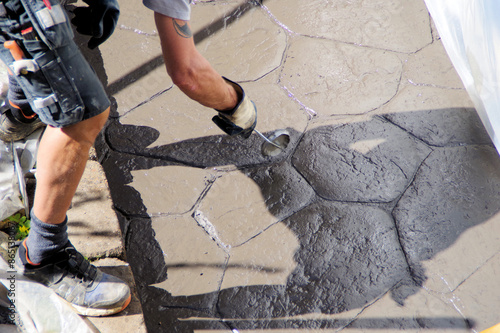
380, 215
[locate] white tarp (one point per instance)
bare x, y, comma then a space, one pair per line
38, 308
470, 33
16, 160
10, 201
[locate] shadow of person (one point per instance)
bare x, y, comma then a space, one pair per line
353, 196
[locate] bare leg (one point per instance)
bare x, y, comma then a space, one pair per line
62, 156
189, 70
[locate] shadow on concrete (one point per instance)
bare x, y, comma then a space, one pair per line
355, 244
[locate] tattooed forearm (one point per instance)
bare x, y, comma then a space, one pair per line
182, 28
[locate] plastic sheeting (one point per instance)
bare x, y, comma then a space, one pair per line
17, 159
38, 308
10, 201
470, 33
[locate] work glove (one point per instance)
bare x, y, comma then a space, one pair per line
242, 119
98, 20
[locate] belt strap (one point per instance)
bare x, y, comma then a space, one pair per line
23, 66
44, 102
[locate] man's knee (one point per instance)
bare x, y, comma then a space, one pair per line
87, 130
100, 120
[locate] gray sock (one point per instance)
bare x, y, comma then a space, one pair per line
45, 239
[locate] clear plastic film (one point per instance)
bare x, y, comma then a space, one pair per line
37, 308
470, 33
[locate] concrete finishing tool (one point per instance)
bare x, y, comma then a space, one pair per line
276, 143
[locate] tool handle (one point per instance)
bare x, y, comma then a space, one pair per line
15, 50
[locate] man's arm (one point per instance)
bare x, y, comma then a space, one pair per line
189, 70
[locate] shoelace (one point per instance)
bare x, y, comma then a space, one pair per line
80, 267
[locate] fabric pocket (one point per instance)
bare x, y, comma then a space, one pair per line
50, 21
53, 90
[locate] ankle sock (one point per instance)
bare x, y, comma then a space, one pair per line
45, 239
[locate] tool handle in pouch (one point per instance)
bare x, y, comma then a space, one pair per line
16, 52
50, 21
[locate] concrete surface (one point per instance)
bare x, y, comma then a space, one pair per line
380, 215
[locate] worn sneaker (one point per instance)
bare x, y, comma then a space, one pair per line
12, 129
90, 291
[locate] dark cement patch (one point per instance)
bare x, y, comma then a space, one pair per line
118, 169
443, 127
411, 323
327, 157
218, 150
284, 190
349, 255
143, 252
455, 189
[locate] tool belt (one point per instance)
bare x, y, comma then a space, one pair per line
33, 35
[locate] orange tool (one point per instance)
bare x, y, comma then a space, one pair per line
16, 52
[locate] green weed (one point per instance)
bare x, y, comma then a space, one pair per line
22, 225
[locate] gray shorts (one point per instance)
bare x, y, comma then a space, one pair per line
61, 87
179, 9
87, 84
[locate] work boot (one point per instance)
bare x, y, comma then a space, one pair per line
12, 129
242, 119
90, 291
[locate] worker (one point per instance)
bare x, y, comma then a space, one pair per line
51, 84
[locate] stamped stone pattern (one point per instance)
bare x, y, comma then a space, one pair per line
338, 75
141, 76
194, 180
205, 264
473, 301
437, 119
374, 23
173, 109
329, 160
429, 226
256, 43
417, 70
435, 316
235, 207
264, 260
381, 214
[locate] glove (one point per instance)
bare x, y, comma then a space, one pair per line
242, 119
98, 20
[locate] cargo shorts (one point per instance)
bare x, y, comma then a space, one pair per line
60, 85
